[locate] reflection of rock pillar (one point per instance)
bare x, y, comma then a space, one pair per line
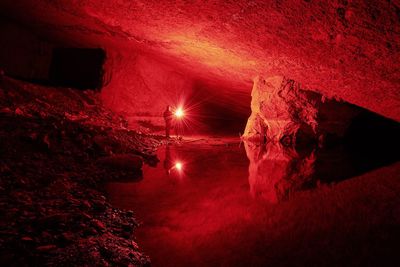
279, 108
276, 171
264, 172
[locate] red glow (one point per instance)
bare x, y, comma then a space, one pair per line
186, 115
178, 166
179, 113
207, 51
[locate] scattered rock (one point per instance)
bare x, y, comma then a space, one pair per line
19, 112
98, 224
53, 210
6, 110
27, 238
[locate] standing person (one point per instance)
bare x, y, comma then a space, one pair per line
168, 120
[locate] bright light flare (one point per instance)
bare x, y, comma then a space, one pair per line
178, 166
179, 113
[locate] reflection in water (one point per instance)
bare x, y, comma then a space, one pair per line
168, 164
172, 163
237, 207
276, 171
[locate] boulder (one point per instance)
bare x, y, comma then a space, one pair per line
279, 109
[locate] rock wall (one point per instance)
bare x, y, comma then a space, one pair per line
140, 87
340, 48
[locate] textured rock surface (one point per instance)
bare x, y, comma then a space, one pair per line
279, 109
347, 49
283, 111
140, 86
53, 211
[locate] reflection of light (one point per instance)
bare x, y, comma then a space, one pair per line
178, 166
179, 112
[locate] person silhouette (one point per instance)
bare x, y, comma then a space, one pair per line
168, 120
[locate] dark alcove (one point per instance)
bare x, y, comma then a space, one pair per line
80, 68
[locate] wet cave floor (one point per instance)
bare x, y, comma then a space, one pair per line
219, 202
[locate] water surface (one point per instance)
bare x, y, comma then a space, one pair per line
229, 204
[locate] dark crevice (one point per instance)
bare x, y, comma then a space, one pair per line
80, 68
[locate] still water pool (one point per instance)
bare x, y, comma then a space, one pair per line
225, 203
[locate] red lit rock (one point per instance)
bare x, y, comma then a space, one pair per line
345, 49
279, 108
27, 238
98, 224
140, 86
284, 112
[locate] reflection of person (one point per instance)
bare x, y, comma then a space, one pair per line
168, 120
167, 160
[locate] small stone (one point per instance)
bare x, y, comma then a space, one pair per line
46, 140
86, 204
19, 112
27, 238
6, 111
98, 224
46, 248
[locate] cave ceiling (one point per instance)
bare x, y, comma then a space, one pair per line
344, 49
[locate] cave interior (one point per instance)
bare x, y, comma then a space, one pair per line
291, 105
